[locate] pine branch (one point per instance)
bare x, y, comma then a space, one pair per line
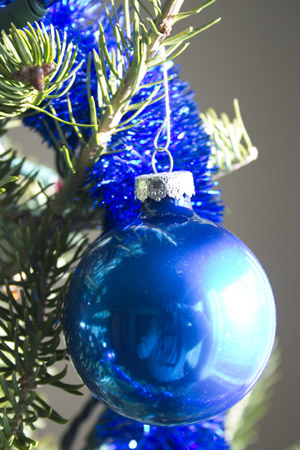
146, 44
41, 249
34, 66
243, 419
30, 326
231, 147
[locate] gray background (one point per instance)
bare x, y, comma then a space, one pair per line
253, 54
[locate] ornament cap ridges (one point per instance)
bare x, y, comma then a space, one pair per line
157, 186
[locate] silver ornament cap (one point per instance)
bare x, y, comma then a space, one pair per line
157, 186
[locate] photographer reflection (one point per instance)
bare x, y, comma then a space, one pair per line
174, 342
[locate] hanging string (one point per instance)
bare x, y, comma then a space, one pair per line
167, 122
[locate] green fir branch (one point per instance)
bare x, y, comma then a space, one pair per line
243, 419
37, 250
33, 46
148, 36
231, 146
192, 12
189, 33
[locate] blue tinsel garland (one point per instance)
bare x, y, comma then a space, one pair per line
116, 432
113, 176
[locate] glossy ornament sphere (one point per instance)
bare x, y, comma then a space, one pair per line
169, 320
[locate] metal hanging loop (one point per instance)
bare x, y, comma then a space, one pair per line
161, 150
167, 122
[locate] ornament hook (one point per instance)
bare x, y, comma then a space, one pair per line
167, 122
160, 150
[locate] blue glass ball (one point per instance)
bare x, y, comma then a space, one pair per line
171, 319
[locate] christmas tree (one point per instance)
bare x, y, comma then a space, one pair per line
98, 83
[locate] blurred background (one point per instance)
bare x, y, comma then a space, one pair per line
252, 54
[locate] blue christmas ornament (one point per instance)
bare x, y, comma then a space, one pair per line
169, 320
116, 432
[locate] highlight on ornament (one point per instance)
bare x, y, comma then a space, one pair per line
169, 320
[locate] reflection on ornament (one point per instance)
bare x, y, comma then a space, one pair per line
169, 320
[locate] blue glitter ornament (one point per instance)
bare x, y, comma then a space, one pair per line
169, 320
116, 432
